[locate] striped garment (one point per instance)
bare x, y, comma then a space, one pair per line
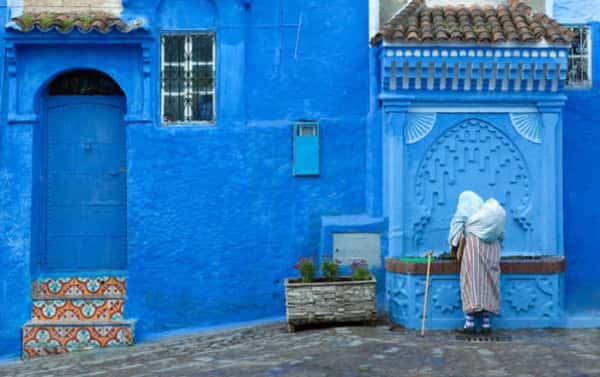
480, 276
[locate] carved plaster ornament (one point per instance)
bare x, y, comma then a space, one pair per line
521, 297
473, 150
528, 125
418, 126
446, 297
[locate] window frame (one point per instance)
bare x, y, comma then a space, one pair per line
587, 84
191, 123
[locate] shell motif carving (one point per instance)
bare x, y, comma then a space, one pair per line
474, 154
528, 125
418, 126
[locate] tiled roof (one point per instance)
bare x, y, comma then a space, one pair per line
64, 23
513, 22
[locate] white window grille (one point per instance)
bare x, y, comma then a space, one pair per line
579, 74
187, 78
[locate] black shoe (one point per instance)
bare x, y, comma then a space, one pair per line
466, 331
486, 331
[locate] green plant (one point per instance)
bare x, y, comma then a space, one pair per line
46, 20
67, 22
331, 268
86, 20
26, 21
360, 270
306, 266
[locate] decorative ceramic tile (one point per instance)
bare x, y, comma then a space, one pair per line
41, 340
100, 286
79, 309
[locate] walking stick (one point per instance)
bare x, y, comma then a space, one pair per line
429, 253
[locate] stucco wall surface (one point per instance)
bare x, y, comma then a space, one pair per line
215, 220
581, 150
576, 11
582, 216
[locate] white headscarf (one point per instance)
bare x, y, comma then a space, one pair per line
488, 222
468, 204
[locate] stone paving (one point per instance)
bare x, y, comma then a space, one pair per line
268, 350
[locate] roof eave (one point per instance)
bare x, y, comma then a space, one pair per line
541, 44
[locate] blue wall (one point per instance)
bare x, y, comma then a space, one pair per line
216, 220
581, 151
15, 209
581, 182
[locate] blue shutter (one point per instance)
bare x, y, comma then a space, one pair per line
306, 148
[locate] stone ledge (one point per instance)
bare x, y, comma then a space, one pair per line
318, 283
544, 265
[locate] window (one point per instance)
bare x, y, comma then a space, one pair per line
187, 78
307, 130
84, 83
579, 73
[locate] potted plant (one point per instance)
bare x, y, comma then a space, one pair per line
330, 298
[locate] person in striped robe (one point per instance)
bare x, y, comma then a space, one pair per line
482, 226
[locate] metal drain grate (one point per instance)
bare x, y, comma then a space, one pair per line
484, 339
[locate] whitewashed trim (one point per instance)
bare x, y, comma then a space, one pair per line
550, 8
16, 8
374, 10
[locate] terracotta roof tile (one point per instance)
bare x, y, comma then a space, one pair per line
64, 23
514, 21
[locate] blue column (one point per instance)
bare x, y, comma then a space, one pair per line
394, 119
552, 239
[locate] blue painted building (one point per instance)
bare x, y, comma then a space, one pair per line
165, 162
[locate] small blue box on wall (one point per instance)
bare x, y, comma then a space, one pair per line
306, 148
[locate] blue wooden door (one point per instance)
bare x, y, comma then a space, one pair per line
85, 227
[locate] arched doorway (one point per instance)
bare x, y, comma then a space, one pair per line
84, 208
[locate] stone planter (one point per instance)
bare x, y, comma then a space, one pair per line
329, 302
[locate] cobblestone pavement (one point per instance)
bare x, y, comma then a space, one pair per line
268, 350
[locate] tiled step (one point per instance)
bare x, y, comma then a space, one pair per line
77, 309
79, 287
41, 338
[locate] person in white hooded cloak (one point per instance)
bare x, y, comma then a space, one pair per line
482, 226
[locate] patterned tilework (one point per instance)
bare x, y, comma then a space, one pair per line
79, 309
44, 339
76, 313
101, 286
